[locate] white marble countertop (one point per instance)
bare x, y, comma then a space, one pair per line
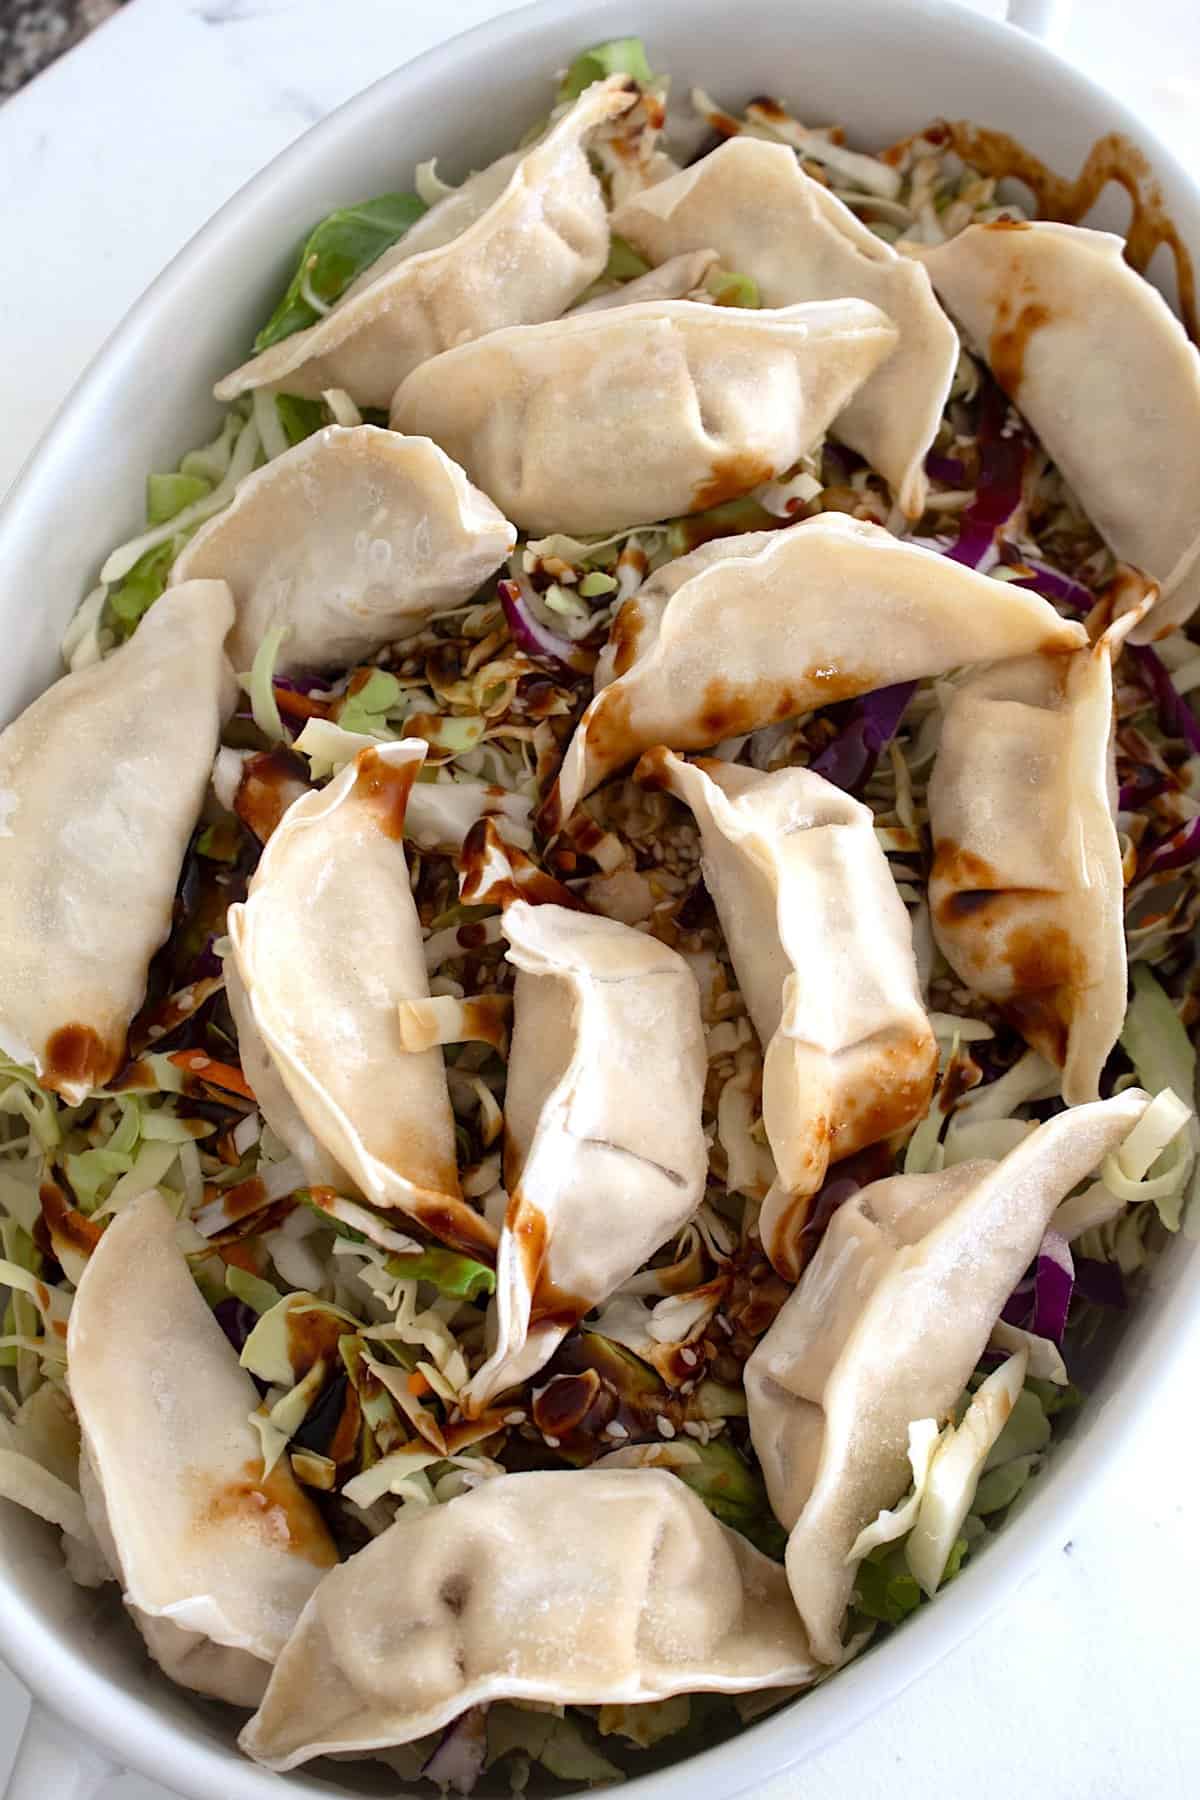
1083, 1688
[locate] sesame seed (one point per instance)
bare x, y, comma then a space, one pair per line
696, 1430
665, 1427
689, 1357
514, 1418
614, 1429
723, 1322
552, 1441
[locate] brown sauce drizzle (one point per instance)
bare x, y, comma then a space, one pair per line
343, 1445
493, 873
730, 478
67, 1228
384, 787
626, 630
312, 1337
565, 1402
271, 780
455, 1224
550, 1305
242, 1201
77, 1055
1010, 339
1113, 158
486, 1019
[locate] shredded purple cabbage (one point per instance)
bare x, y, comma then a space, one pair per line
1174, 714
872, 721
1040, 1303
236, 1319
458, 1761
1175, 852
1146, 786
534, 638
1100, 1282
946, 468
302, 684
1050, 583
998, 490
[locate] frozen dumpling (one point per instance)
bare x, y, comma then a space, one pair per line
516, 243
101, 782
888, 1321
350, 540
753, 204
1026, 892
573, 1587
216, 1560
1103, 371
327, 946
642, 412
605, 1156
752, 629
822, 948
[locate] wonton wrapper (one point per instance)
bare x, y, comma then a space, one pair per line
638, 413
215, 1561
572, 1587
515, 244
753, 204
605, 1157
675, 279
101, 782
327, 945
274, 1101
822, 946
886, 1325
770, 625
1027, 893
1103, 370
351, 539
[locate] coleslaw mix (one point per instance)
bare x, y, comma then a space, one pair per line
364, 1400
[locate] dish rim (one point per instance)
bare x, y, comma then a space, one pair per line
132, 1727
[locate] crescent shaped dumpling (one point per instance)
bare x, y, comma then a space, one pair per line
572, 1587
1103, 371
888, 1321
327, 945
770, 625
621, 417
1027, 892
752, 203
605, 1156
516, 243
101, 782
351, 539
822, 947
216, 1562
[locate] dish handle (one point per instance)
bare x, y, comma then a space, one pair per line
54, 1761
1045, 19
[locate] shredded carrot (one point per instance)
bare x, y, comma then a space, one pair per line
417, 1384
217, 1074
299, 705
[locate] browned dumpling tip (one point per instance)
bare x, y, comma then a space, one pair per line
1104, 372
101, 782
